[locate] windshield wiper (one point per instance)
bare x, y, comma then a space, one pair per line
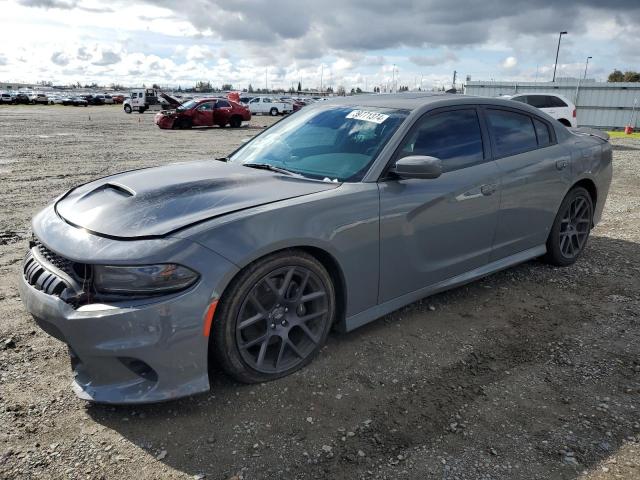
268, 166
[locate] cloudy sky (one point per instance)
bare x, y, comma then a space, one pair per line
346, 42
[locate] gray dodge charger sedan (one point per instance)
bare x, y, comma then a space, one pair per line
335, 216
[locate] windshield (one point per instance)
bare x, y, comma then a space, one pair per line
334, 143
187, 105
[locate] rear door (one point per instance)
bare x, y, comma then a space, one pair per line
203, 115
222, 112
534, 174
435, 229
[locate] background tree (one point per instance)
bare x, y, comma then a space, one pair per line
631, 76
250, 89
616, 76
226, 86
340, 91
299, 87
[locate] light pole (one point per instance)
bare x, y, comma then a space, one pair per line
555, 66
586, 65
393, 76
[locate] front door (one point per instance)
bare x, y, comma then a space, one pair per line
435, 229
203, 115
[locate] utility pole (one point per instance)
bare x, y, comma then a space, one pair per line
455, 74
266, 83
393, 76
555, 66
321, 73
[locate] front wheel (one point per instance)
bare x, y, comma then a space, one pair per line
571, 228
274, 317
127, 109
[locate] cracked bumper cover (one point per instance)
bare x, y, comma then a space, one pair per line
138, 351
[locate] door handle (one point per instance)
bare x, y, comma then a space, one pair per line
488, 189
562, 164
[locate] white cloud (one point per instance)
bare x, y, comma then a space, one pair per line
509, 62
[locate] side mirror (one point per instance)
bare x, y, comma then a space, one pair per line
418, 166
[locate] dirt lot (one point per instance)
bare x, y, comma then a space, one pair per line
532, 373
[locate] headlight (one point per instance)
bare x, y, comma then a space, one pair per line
161, 278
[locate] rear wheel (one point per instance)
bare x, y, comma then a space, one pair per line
274, 317
571, 228
273, 112
235, 121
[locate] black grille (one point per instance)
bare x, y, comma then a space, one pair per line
42, 278
53, 258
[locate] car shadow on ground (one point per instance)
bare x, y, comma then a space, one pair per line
495, 369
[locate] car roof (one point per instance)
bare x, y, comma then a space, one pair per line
420, 101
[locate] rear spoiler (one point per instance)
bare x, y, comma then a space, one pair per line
590, 132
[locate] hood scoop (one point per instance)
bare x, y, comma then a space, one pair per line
154, 202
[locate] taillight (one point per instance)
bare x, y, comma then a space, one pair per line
574, 113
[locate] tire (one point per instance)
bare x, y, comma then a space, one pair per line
571, 228
237, 350
127, 109
183, 124
273, 112
235, 121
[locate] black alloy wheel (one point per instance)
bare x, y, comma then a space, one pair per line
274, 318
571, 228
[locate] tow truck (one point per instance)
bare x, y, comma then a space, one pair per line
143, 99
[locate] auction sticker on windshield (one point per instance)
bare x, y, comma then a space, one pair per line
374, 117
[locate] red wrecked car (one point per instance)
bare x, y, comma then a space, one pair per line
204, 112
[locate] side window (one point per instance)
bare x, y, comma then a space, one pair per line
222, 103
512, 132
454, 137
134, 95
266, 100
205, 107
557, 102
542, 132
254, 100
538, 101
522, 99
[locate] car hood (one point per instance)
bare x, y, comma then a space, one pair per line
153, 202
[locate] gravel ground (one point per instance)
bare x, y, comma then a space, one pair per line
531, 373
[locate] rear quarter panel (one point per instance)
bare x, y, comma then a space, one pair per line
591, 158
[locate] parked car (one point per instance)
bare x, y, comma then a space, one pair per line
335, 216
269, 105
94, 99
6, 98
557, 106
118, 98
204, 112
75, 101
55, 99
245, 99
22, 98
39, 98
